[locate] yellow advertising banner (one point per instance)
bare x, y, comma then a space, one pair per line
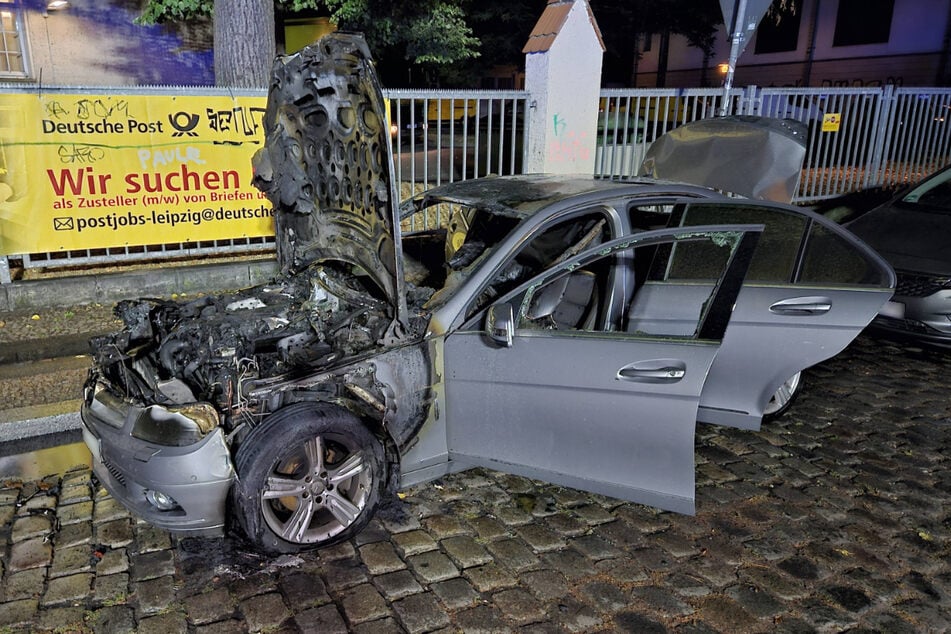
80, 171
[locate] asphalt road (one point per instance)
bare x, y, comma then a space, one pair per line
836, 517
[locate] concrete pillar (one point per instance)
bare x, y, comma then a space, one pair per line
563, 75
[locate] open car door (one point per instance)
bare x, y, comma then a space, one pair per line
551, 382
810, 290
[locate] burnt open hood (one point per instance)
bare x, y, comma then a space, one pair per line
327, 167
756, 157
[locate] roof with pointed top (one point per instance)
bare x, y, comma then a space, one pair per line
551, 22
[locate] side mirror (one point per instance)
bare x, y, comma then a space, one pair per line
500, 324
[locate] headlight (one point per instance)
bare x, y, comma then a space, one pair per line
177, 426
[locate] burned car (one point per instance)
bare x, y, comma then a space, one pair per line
569, 329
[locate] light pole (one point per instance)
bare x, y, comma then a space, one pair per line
736, 47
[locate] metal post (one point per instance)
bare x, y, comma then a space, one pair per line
739, 14
882, 134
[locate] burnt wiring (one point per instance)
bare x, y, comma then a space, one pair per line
247, 367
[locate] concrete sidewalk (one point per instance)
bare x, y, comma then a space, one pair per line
833, 518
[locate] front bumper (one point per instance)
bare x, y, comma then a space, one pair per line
909, 330
925, 319
196, 476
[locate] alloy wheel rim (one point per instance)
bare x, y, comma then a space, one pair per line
784, 394
317, 490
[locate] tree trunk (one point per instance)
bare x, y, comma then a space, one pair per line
244, 42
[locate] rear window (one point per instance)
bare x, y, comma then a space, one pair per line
775, 256
830, 259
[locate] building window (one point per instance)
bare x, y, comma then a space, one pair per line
12, 40
779, 30
863, 22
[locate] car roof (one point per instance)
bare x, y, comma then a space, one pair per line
522, 195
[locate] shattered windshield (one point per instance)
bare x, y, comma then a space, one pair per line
444, 243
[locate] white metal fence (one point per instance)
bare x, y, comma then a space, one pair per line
449, 135
887, 136
630, 119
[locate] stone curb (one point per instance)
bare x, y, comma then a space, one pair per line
35, 349
111, 287
37, 427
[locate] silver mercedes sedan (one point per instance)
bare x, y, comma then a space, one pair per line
568, 329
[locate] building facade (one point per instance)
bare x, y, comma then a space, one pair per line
826, 43
97, 43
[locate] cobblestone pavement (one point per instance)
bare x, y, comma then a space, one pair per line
835, 518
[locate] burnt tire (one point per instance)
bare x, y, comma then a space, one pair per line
309, 475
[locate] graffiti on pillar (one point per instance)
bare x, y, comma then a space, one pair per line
567, 145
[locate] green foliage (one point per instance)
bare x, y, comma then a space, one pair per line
503, 28
294, 6
160, 11
441, 37
427, 32
430, 32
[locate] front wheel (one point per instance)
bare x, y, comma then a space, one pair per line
784, 397
309, 475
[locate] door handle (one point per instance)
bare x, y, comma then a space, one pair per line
653, 371
802, 306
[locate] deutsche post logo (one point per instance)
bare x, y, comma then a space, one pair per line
184, 123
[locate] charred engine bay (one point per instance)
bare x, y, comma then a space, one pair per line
203, 350
326, 167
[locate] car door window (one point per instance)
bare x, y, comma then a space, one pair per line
830, 259
571, 302
676, 299
549, 245
674, 291
775, 258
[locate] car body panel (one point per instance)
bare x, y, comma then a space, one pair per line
585, 406
197, 475
756, 157
791, 311
327, 165
554, 408
740, 383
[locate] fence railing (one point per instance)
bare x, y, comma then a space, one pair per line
450, 135
886, 136
857, 137
437, 136
629, 120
